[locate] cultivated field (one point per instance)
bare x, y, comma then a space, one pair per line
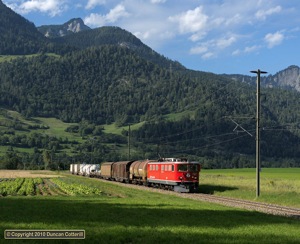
27, 174
111, 213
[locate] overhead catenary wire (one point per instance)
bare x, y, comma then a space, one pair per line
209, 145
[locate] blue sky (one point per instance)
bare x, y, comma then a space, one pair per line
219, 36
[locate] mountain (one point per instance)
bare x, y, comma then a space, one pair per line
72, 26
18, 35
288, 78
111, 35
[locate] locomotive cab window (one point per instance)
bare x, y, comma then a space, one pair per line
182, 167
193, 167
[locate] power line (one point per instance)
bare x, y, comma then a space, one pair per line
209, 145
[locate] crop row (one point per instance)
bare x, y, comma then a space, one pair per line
19, 186
75, 188
38, 186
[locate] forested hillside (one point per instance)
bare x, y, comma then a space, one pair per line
118, 37
18, 35
111, 84
101, 85
107, 76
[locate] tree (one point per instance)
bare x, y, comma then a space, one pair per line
47, 159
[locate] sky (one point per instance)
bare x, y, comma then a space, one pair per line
218, 36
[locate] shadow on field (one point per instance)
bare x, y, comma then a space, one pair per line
136, 223
211, 189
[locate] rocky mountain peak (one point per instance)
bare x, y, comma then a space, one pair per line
289, 78
76, 25
72, 26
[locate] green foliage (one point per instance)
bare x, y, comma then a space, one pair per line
27, 188
112, 35
75, 188
10, 187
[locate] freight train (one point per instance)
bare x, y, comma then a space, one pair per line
175, 174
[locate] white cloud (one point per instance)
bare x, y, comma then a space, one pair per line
197, 36
158, 1
262, 14
208, 55
114, 15
246, 50
274, 39
52, 7
191, 21
225, 42
252, 49
95, 20
212, 48
236, 52
93, 3
199, 50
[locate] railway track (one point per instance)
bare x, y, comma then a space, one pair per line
227, 201
246, 204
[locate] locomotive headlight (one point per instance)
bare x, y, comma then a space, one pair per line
180, 178
188, 175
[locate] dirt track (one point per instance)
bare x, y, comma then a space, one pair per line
27, 174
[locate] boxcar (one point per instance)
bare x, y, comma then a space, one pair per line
76, 169
120, 171
72, 168
106, 170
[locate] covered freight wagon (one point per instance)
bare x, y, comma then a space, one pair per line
87, 169
72, 168
106, 170
120, 171
76, 169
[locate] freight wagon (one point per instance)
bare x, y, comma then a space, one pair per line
175, 174
84, 169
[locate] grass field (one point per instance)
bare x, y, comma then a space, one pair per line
46, 126
280, 186
123, 215
113, 129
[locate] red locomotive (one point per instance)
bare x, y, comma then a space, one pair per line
175, 174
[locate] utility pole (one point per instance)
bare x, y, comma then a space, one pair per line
258, 72
129, 142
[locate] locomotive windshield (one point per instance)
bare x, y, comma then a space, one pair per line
182, 167
187, 167
193, 167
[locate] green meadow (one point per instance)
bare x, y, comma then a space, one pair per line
123, 215
279, 186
